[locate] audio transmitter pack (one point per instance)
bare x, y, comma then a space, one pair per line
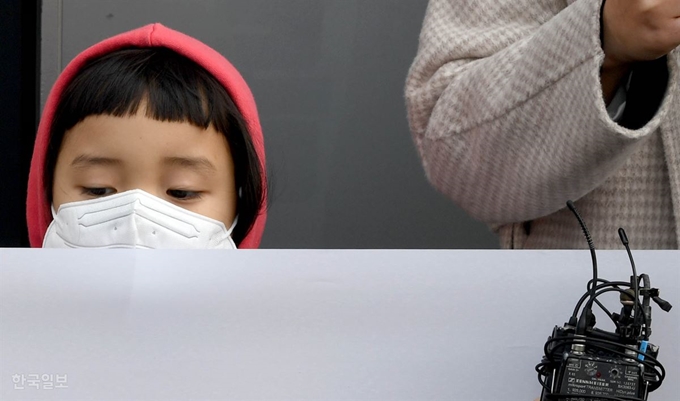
584, 363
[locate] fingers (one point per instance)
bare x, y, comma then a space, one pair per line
640, 30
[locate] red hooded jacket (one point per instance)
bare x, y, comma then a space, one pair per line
38, 209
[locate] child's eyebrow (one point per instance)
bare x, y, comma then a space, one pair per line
86, 160
195, 163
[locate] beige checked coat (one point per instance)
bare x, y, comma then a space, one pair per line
506, 110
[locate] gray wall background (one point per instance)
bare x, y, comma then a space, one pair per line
328, 78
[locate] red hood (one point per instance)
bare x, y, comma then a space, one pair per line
38, 210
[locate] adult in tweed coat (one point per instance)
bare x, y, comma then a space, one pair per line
507, 103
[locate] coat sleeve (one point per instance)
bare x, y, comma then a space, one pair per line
506, 108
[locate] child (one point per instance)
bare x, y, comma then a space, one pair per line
149, 139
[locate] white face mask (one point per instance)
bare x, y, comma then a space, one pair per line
134, 219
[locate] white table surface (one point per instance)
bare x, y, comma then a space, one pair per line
303, 324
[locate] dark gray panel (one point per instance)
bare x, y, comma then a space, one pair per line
328, 77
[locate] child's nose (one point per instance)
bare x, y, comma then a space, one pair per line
150, 189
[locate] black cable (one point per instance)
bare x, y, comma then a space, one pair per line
650, 361
543, 373
589, 304
609, 314
624, 241
542, 382
615, 285
646, 309
599, 286
581, 327
570, 341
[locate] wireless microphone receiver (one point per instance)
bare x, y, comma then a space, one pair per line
582, 362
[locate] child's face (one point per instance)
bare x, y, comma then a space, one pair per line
178, 162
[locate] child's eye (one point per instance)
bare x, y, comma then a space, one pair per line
183, 194
96, 192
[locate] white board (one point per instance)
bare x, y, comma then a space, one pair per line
301, 325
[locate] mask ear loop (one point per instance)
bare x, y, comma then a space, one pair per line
233, 225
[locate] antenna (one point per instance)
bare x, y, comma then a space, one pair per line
634, 279
587, 311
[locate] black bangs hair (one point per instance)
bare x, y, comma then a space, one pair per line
172, 88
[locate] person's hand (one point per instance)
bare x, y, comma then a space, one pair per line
640, 30
636, 30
